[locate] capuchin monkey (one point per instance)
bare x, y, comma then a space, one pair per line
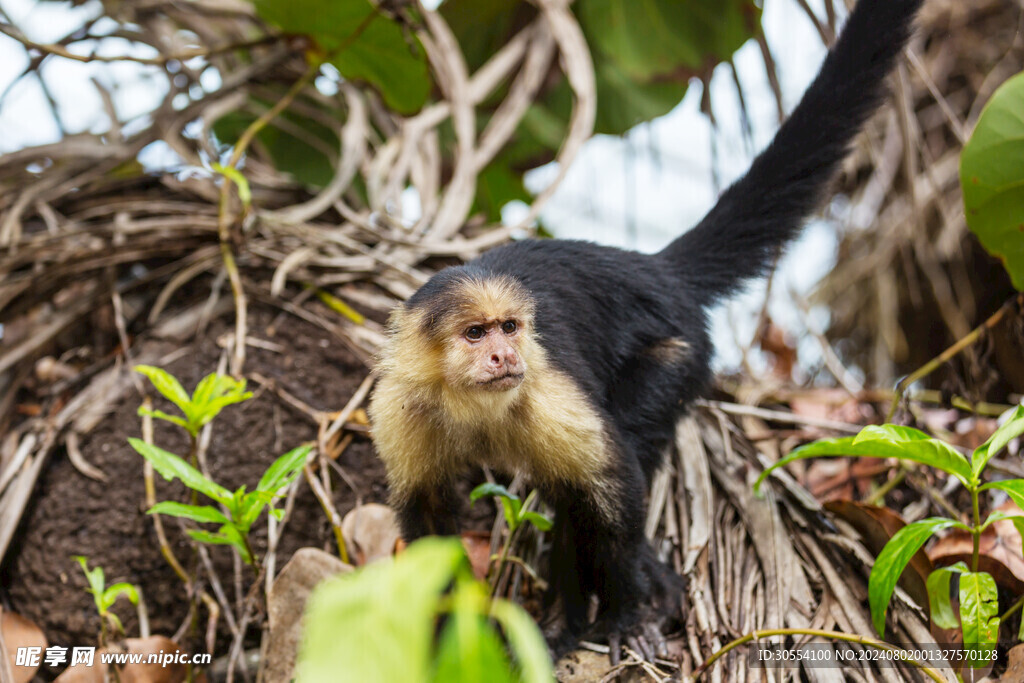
570, 363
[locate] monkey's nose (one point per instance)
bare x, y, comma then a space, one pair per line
497, 360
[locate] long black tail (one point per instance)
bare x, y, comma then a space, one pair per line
738, 239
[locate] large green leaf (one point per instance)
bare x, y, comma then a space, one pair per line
527, 643
379, 623
469, 650
893, 560
992, 177
482, 27
651, 39
979, 609
876, 442
361, 42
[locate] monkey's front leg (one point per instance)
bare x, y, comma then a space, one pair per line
599, 549
428, 511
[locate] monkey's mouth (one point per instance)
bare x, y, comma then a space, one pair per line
503, 383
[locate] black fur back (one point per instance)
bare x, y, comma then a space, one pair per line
741, 235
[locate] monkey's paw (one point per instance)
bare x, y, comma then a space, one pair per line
641, 634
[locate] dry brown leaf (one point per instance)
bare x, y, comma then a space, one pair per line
1015, 665
307, 568
774, 341
17, 631
829, 404
876, 525
371, 532
478, 548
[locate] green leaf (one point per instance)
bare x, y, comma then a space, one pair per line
1011, 429
540, 521
112, 593
893, 560
250, 508
656, 38
992, 178
197, 513
237, 539
284, 470
1014, 488
172, 467
979, 609
210, 537
95, 577
362, 43
939, 601
527, 643
161, 415
213, 393
890, 432
166, 384
998, 516
489, 489
396, 600
901, 444
469, 649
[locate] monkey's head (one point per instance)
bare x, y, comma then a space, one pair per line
471, 332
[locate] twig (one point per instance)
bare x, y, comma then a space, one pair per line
1014, 302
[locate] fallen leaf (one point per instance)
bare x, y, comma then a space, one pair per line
877, 525
1015, 665
371, 532
287, 602
17, 631
478, 548
774, 341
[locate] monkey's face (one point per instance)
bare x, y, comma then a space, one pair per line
487, 355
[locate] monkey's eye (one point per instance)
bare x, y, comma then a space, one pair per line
475, 333
509, 326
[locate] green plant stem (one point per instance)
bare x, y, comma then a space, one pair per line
879, 494
1011, 609
502, 559
976, 529
961, 344
223, 221
830, 635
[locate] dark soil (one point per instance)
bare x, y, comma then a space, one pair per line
71, 514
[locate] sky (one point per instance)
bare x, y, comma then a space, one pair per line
638, 191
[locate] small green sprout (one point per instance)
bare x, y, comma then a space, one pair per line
212, 394
105, 596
